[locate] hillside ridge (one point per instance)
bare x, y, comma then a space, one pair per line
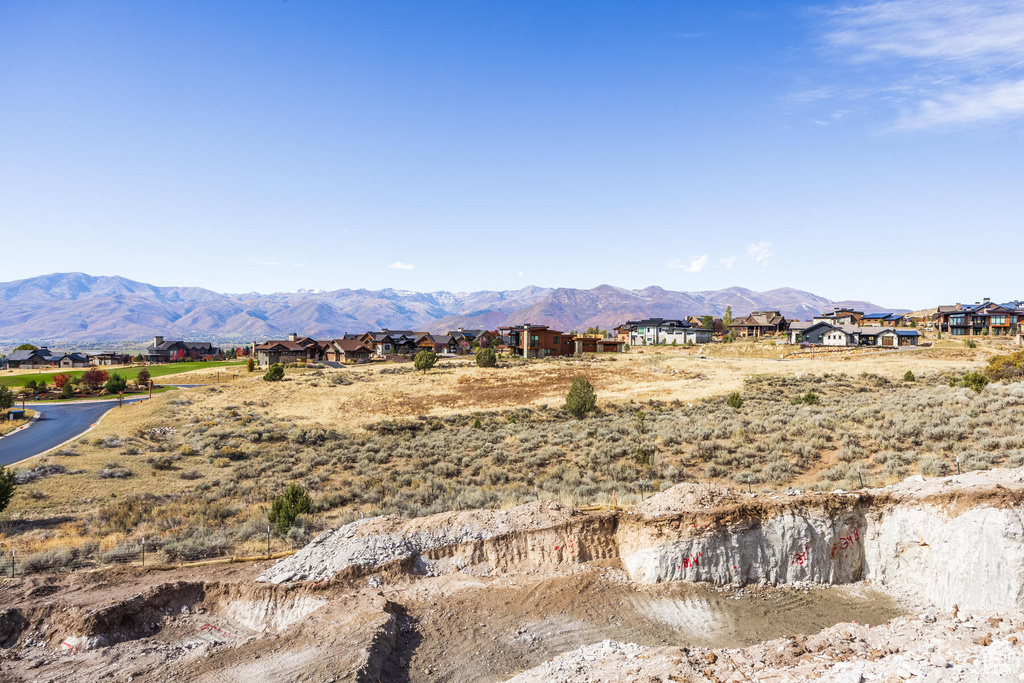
78, 307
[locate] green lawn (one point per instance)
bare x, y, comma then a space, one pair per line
128, 373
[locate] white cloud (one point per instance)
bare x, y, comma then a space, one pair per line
521, 273
762, 252
974, 34
978, 104
695, 265
398, 265
939, 62
729, 262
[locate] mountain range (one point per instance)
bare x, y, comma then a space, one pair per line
76, 307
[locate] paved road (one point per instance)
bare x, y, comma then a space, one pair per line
59, 423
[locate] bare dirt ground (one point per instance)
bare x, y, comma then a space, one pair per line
214, 624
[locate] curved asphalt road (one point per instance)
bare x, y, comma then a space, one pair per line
59, 423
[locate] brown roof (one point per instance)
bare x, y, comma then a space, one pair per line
349, 345
287, 345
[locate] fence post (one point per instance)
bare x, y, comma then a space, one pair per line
143, 551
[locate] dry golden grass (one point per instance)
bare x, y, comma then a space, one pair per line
7, 426
394, 391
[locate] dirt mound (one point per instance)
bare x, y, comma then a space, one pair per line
688, 498
449, 542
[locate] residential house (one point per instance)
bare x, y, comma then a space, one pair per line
31, 359
71, 360
464, 339
717, 326
596, 343
295, 349
439, 343
622, 333
108, 358
883, 319
536, 341
809, 332
164, 351
760, 323
655, 331
981, 317
346, 350
827, 334
841, 316
393, 341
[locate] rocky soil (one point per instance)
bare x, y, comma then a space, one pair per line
924, 580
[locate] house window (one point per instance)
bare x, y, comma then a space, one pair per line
998, 320
956, 320
556, 340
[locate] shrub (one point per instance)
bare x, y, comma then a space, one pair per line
94, 379
250, 365
975, 381
143, 377
933, 467
116, 384
60, 379
161, 462
970, 344
425, 360
734, 400
1009, 367
191, 474
275, 373
581, 398
810, 399
67, 391
486, 358
285, 508
8, 482
114, 473
909, 376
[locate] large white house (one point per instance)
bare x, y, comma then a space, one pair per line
655, 331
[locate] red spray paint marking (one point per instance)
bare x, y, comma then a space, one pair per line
692, 560
845, 542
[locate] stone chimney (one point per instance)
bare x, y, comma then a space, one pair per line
294, 336
157, 341
526, 340
987, 300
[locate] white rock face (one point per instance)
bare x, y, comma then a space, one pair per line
787, 548
974, 560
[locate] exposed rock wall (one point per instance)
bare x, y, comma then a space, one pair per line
974, 559
786, 548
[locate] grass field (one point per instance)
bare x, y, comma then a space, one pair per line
128, 373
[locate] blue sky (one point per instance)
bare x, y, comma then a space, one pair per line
858, 150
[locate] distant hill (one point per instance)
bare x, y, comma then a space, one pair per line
75, 307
